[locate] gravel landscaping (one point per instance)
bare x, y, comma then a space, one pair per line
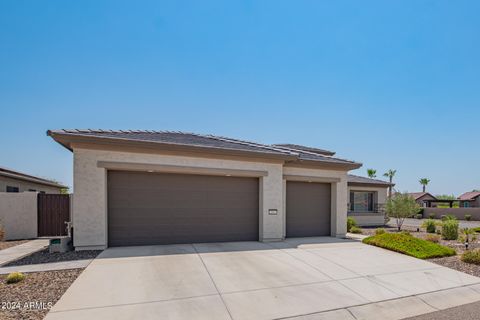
452, 262
44, 256
33, 297
11, 243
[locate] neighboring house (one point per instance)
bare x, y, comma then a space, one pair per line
14, 181
159, 187
366, 200
470, 200
423, 198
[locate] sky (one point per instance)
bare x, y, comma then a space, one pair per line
392, 84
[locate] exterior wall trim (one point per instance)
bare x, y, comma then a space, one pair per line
131, 166
290, 177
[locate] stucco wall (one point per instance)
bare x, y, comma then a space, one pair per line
457, 212
25, 185
90, 185
339, 196
18, 215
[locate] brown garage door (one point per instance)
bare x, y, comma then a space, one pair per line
162, 208
308, 209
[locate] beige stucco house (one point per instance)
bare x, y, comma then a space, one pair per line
422, 198
14, 181
470, 199
366, 200
159, 187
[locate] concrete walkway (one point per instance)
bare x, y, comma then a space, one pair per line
22, 250
309, 278
52, 266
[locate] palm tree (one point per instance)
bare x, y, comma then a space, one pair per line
372, 173
424, 182
390, 174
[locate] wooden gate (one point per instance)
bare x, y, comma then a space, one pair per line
53, 212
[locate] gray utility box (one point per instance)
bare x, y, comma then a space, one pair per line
60, 244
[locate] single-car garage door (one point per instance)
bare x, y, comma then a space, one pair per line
163, 208
308, 209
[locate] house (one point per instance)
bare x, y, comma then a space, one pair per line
423, 198
366, 200
470, 199
14, 181
163, 187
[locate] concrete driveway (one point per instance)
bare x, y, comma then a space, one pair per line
309, 278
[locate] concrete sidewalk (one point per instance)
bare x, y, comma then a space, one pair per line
22, 250
52, 266
308, 278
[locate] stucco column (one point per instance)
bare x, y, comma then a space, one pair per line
339, 209
271, 198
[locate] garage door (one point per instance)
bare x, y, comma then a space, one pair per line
308, 209
161, 208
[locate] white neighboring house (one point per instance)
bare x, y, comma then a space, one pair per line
15, 181
366, 200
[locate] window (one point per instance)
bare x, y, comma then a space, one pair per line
466, 204
361, 201
12, 189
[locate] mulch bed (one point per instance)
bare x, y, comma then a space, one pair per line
11, 243
44, 256
33, 297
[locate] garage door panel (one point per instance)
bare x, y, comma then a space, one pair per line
174, 208
308, 209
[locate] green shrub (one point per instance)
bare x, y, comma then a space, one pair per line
2, 232
432, 238
379, 231
15, 277
450, 230
448, 217
406, 233
468, 217
477, 229
431, 216
430, 225
355, 229
419, 216
409, 245
350, 223
471, 256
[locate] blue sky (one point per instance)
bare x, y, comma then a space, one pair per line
392, 84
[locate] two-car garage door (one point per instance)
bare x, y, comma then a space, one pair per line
147, 208
160, 208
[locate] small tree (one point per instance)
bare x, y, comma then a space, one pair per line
372, 173
401, 206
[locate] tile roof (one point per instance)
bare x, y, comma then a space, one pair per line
205, 141
469, 195
418, 195
305, 148
26, 177
364, 180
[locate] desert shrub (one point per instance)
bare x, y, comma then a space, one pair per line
450, 230
448, 217
477, 229
468, 217
432, 238
2, 232
355, 229
350, 223
15, 277
471, 256
430, 225
431, 216
419, 216
379, 231
409, 245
